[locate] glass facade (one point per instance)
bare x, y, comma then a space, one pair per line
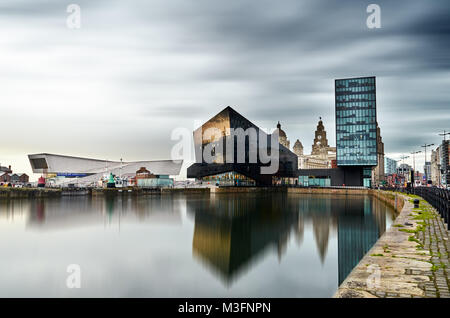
367, 177
310, 181
390, 166
356, 122
229, 179
155, 183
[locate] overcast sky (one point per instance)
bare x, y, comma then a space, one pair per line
136, 70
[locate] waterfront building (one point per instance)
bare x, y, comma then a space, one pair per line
390, 166
356, 126
378, 177
298, 148
444, 154
404, 170
282, 137
320, 143
61, 170
314, 162
359, 146
356, 122
143, 173
435, 167
427, 171
146, 179
223, 171
393, 180
8, 177
5, 177
322, 154
23, 178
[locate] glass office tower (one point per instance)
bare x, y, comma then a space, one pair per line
356, 122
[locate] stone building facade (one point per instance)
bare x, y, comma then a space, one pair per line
322, 154
435, 167
378, 177
282, 137
320, 144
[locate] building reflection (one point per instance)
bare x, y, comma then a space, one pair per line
357, 231
231, 232
69, 212
11, 210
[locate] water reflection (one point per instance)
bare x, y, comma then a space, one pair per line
222, 245
232, 231
70, 212
360, 224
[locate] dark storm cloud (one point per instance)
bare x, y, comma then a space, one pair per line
152, 66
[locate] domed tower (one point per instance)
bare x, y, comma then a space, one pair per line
320, 139
298, 148
282, 138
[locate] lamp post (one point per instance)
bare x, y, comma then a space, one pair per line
426, 173
403, 159
444, 134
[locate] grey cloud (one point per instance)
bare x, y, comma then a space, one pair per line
148, 67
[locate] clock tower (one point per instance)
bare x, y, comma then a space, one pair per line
320, 140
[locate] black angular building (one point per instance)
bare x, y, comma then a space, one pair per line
230, 167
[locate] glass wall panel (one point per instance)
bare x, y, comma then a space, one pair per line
356, 140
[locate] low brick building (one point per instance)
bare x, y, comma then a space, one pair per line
143, 173
14, 178
23, 178
5, 177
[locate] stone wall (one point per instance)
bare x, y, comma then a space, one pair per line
409, 260
23, 193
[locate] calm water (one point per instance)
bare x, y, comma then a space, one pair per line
249, 245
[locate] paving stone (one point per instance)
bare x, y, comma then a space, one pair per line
436, 244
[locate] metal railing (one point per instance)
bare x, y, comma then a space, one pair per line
438, 198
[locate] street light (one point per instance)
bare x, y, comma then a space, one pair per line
414, 158
403, 158
444, 134
426, 174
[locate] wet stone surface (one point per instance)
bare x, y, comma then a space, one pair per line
411, 260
